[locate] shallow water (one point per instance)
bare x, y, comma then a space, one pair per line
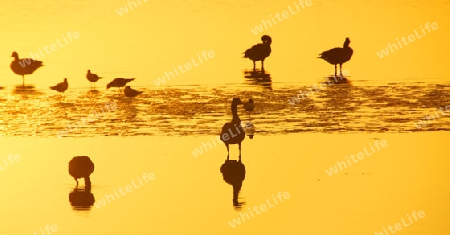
351, 107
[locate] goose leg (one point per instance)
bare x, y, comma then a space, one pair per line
254, 66
239, 152
335, 71
340, 70
23, 80
262, 66
228, 150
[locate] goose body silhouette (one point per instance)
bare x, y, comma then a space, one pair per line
119, 82
338, 55
130, 92
233, 132
24, 66
92, 77
81, 167
61, 87
259, 52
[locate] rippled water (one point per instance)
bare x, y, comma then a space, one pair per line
194, 110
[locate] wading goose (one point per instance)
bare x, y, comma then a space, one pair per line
92, 77
81, 167
129, 92
249, 106
232, 132
259, 52
24, 66
61, 87
119, 82
338, 55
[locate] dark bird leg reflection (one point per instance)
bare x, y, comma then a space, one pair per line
81, 199
233, 173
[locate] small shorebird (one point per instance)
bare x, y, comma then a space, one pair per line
81, 167
232, 132
92, 77
259, 52
61, 87
24, 66
338, 55
129, 92
119, 82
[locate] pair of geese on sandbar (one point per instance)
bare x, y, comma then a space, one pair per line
28, 66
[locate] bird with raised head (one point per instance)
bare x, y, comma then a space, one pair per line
92, 77
233, 132
81, 167
119, 82
24, 66
249, 106
338, 55
259, 52
130, 92
61, 87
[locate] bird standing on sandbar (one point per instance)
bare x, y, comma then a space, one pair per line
119, 82
61, 87
338, 55
92, 77
129, 92
232, 132
24, 66
259, 52
81, 167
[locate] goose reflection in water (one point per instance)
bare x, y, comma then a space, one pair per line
233, 173
81, 199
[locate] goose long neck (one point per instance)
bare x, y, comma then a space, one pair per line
234, 112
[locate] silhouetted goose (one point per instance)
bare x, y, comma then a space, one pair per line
119, 82
61, 87
249, 106
129, 92
24, 66
81, 167
232, 132
338, 55
259, 52
92, 77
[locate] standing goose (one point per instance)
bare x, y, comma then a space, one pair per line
92, 77
259, 52
232, 132
338, 55
81, 167
61, 87
24, 66
119, 82
129, 92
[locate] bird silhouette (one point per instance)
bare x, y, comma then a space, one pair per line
259, 52
92, 77
129, 92
24, 66
61, 87
119, 82
338, 55
81, 167
249, 106
232, 132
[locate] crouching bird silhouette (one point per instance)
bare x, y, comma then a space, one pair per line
233, 132
259, 52
81, 167
233, 173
